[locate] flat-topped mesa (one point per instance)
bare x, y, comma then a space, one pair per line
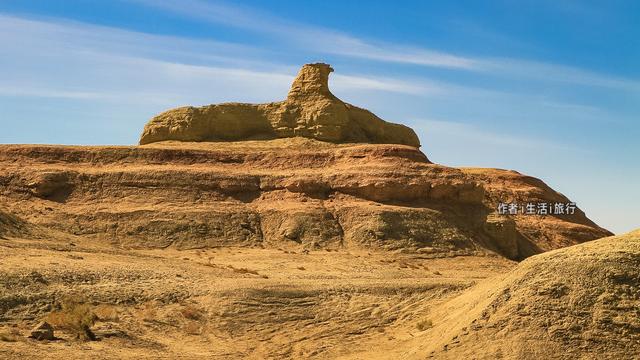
310, 111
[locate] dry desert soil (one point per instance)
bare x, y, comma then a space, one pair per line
226, 303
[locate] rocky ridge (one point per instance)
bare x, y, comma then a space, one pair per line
11, 225
288, 192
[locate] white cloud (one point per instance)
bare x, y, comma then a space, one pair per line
44, 38
535, 70
351, 82
465, 133
316, 39
88, 62
328, 41
34, 91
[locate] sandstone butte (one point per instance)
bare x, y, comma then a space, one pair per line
310, 111
322, 174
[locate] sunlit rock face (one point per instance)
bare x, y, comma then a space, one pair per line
310, 111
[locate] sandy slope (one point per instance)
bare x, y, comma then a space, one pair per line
250, 303
581, 302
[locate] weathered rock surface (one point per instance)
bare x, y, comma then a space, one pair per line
286, 192
310, 111
579, 302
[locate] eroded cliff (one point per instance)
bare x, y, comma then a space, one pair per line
288, 192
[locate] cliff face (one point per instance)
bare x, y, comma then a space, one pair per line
308, 182
310, 111
281, 193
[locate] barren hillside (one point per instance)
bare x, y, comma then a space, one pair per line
580, 302
332, 236
295, 192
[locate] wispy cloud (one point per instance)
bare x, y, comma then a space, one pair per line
35, 91
351, 82
465, 133
323, 40
55, 36
541, 71
329, 41
348, 46
88, 62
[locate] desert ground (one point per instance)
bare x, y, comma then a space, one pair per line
225, 303
257, 303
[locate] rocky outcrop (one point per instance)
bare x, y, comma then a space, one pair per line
298, 193
310, 111
43, 331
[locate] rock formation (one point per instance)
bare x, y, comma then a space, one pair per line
332, 236
277, 193
43, 331
305, 183
310, 111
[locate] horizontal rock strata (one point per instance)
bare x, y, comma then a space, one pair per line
288, 192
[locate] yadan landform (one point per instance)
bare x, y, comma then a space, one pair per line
305, 228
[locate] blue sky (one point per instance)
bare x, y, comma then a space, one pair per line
548, 88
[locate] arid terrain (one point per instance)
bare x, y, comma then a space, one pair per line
226, 303
326, 234
234, 303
